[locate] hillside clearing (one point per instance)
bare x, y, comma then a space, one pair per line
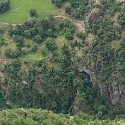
19, 10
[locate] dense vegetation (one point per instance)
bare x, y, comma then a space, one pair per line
104, 20
44, 117
4, 5
53, 81
41, 69
77, 9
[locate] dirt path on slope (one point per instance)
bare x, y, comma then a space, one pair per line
79, 24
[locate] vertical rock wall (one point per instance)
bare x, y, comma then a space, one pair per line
113, 92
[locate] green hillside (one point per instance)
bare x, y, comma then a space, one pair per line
65, 56
19, 10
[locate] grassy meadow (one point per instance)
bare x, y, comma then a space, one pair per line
19, 10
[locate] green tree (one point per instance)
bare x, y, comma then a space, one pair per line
50, 44
27, 33
37, 39
32, 12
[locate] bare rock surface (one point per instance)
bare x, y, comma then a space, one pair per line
113, 92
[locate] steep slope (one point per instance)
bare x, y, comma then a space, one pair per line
68, 63
103, 54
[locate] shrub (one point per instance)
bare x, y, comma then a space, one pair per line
50, 44
37, 39
4, 5
32, 12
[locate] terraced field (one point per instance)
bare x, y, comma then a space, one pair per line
19, 10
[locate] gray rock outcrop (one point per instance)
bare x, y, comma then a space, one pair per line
113, 92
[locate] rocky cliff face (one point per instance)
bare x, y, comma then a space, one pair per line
113, 92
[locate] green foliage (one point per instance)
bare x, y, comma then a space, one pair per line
50, 44
75, 8
69, 36
107, 33
58, 3
4, 5
44, 117
2, 42
54, 83
52, 87
34, 48
12, 53
19, 40
121, 19
37, 39
32, 12
27, 34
